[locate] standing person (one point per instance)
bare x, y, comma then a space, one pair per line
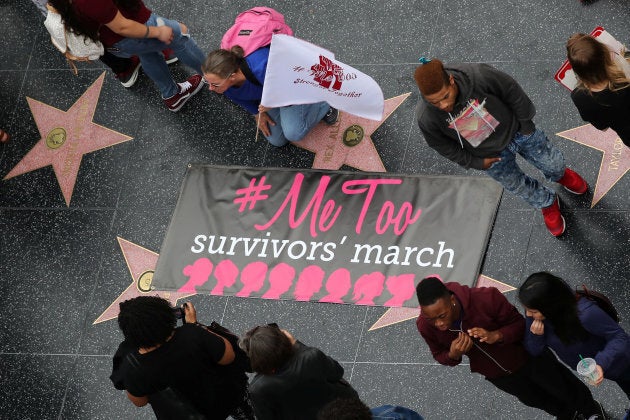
199, 365
355, 409
241, 80
480, 118
573, 327
293, 381
481, 324
602, 95
127, 28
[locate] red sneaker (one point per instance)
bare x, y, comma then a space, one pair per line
553, 218
186, 91
573, 182
169, 56
128, 77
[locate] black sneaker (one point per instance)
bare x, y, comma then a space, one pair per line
128, 77
331, 116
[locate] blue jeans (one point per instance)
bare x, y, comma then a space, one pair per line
149, 51
540, 152
293, 122
391, 412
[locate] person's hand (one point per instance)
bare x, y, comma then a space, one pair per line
486, 336
600, 375
164, 34
264, 121
487, 162
263, 108
190, 314
538, 327
460, 346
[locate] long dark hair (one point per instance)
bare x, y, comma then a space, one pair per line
73, 21
552, 296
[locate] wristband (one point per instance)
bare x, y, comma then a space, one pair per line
146, 34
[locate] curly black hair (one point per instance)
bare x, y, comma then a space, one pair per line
146, 321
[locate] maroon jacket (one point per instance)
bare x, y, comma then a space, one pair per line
487, 308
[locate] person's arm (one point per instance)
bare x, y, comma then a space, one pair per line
584, 103
598, 323
132, 29
138, 401
512, 94
449, 147
210, 339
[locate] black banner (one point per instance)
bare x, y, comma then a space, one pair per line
327, 236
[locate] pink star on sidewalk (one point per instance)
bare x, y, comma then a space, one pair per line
348, 141
65, 137
615, 160
141, 263
396, 315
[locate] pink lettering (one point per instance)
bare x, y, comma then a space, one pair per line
312, 208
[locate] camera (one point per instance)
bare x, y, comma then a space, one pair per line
180, 313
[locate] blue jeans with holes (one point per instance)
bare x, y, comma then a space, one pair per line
540, 152
293, 122
149, 50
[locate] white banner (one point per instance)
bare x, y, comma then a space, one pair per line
299, 72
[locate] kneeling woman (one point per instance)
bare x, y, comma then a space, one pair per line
241, 80
573, 326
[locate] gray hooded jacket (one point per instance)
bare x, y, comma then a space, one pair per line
504, 99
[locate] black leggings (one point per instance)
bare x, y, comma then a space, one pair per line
547, 384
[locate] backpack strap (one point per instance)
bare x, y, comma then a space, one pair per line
247, 72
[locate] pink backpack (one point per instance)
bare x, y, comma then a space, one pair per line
253, 29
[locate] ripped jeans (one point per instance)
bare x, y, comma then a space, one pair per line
540, 152
149, 50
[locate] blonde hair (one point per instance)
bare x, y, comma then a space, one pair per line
223, 62
593, 64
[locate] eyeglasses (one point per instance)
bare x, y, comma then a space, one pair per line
218, 85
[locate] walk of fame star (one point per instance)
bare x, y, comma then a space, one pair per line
348, 141
395, 315
65, 137
615, 160
141, 263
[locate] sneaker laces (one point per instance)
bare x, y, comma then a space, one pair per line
185, 86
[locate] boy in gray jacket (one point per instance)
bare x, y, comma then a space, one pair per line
480, 118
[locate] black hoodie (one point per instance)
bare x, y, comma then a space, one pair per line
504, 99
